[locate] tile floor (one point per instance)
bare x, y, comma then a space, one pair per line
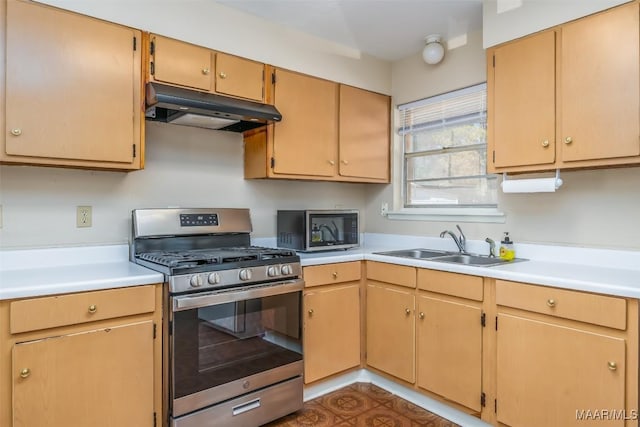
361, 404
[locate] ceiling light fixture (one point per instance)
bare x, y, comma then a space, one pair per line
434, 51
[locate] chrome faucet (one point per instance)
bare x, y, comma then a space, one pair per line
492, 247
461, 242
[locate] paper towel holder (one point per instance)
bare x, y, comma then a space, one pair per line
557, 183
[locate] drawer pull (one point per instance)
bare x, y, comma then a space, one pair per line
612, 366
551, 302
335, 274
310, 312
16, 132
421, 315
25, 373
244, 407
222, 75
568, 140
407, 311
205, 71
92, 309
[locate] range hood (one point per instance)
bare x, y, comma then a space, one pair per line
192, 108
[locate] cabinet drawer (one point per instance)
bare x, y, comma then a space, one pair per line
458, 285
391, 273
50, 312
328, 274
597, 309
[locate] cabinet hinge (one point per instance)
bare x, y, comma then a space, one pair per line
483, 399
152, 47
152, 68
494, 61
134, 150
494, 156
154, 331
273, 78
135, 43
495, 405
154, 419
496, 323
273, 163
483, 319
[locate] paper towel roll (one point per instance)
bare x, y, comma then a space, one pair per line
535, 185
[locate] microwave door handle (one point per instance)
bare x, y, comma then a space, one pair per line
205, 299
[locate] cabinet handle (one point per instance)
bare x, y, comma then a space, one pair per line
222, 75
205, 71
92, 308
335, 274
310, 312
568, 140
545, 143
26, 372
551, 302
407, 311
612, 366
16, 132
331, 162
421, 315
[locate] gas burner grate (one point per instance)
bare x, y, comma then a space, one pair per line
180, 259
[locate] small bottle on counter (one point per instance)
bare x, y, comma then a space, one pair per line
507, 251
316, 234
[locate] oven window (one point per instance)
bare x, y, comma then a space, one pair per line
222, 343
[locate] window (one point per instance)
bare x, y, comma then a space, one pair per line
445, 153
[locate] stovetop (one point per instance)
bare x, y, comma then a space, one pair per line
216, 256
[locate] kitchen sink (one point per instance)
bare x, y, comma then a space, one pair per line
415, 253
450, 257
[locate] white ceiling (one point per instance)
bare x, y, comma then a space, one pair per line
386, 29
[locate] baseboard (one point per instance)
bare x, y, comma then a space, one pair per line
366, 376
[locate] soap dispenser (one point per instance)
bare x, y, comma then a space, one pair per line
507, 251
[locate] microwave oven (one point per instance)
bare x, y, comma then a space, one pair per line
318, 230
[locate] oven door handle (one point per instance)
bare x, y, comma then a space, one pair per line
188, 302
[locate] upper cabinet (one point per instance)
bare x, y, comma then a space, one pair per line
73, 92
568, 97
184, 64
328, 131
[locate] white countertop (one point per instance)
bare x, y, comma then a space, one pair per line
75, 269
58, 271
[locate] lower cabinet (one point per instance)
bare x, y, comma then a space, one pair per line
331, 319
391, 319
99, 377
565, 358
82, 359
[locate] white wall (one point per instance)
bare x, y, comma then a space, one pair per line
596, 208
504, 20
186, 167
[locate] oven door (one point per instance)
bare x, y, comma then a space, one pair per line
227, 343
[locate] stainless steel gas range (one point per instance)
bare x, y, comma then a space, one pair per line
233, 341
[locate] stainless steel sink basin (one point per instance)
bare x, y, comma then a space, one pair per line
468, 259
450, 257
415, 253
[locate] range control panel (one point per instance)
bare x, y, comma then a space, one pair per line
195, 220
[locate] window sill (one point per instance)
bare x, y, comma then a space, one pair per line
447, 214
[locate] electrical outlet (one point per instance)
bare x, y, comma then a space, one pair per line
83, 216
384, 209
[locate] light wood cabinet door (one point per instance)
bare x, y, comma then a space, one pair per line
600, 87
97, 378
305, 142
547, 373
522, 113
391, 330
331, 330
239, 77
450, 350
181, 63
73, 89
364, 134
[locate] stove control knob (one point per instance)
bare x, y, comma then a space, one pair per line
245, 274
196, 281
213, 278
273, 271
286, 270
